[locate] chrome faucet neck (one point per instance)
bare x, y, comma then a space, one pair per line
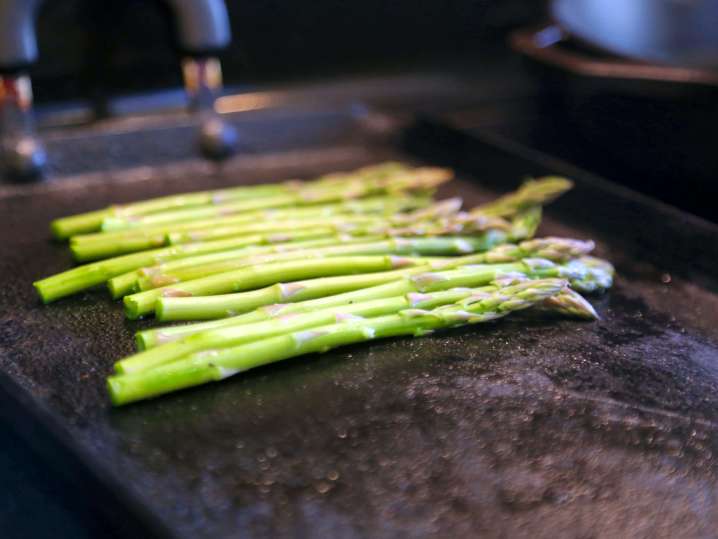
22, 154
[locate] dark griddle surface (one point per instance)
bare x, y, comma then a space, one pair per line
521, 428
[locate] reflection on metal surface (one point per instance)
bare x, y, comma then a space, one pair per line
201, 74
203, 82
244, 102
543, 46
669, 31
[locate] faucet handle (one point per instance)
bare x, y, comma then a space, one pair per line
203, 31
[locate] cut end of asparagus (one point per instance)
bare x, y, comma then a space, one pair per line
122, 390
44, 291
114, 390
132, 308
65, 227
160, 310
141, 341
118, 289
60, 231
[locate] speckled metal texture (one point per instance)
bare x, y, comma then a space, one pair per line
526, 427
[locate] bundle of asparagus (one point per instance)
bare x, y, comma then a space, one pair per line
286, 269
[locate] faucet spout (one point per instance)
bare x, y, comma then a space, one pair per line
202, 26
18, 45
203, 31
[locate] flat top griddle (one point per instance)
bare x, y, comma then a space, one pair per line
526, 427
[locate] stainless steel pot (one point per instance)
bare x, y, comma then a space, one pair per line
636, 82
678, 32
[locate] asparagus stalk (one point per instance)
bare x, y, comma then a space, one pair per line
418, 180
495, 231
340, 224
220, 306
89, 251
538, 192
143, 303
65, 227
136, 240
436, 246
359, 225
234, 335
250, 278
424, 287
266, 303
382, 205
127, 283
532, 193
83, 277
214, 365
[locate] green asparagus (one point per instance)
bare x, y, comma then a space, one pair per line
84, 277
208, 307
66, 227
250, 278
214, 365
383, 296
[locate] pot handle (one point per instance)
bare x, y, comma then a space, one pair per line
544, 45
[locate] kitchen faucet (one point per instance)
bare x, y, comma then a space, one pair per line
202, 29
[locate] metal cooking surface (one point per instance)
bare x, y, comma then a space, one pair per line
522, 428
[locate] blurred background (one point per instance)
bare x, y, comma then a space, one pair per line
626, 89
93, 50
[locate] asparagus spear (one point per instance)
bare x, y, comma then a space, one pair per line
425, 287
324, 292
84, 277
250, 278
215, 365
143, 303
537, 192
436, 246
65, 227
208, 307
532, 193
417, 180
89, 251
136, 240
88, 222
308, 314
234, 335
127, 283
382, 205
494, 230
